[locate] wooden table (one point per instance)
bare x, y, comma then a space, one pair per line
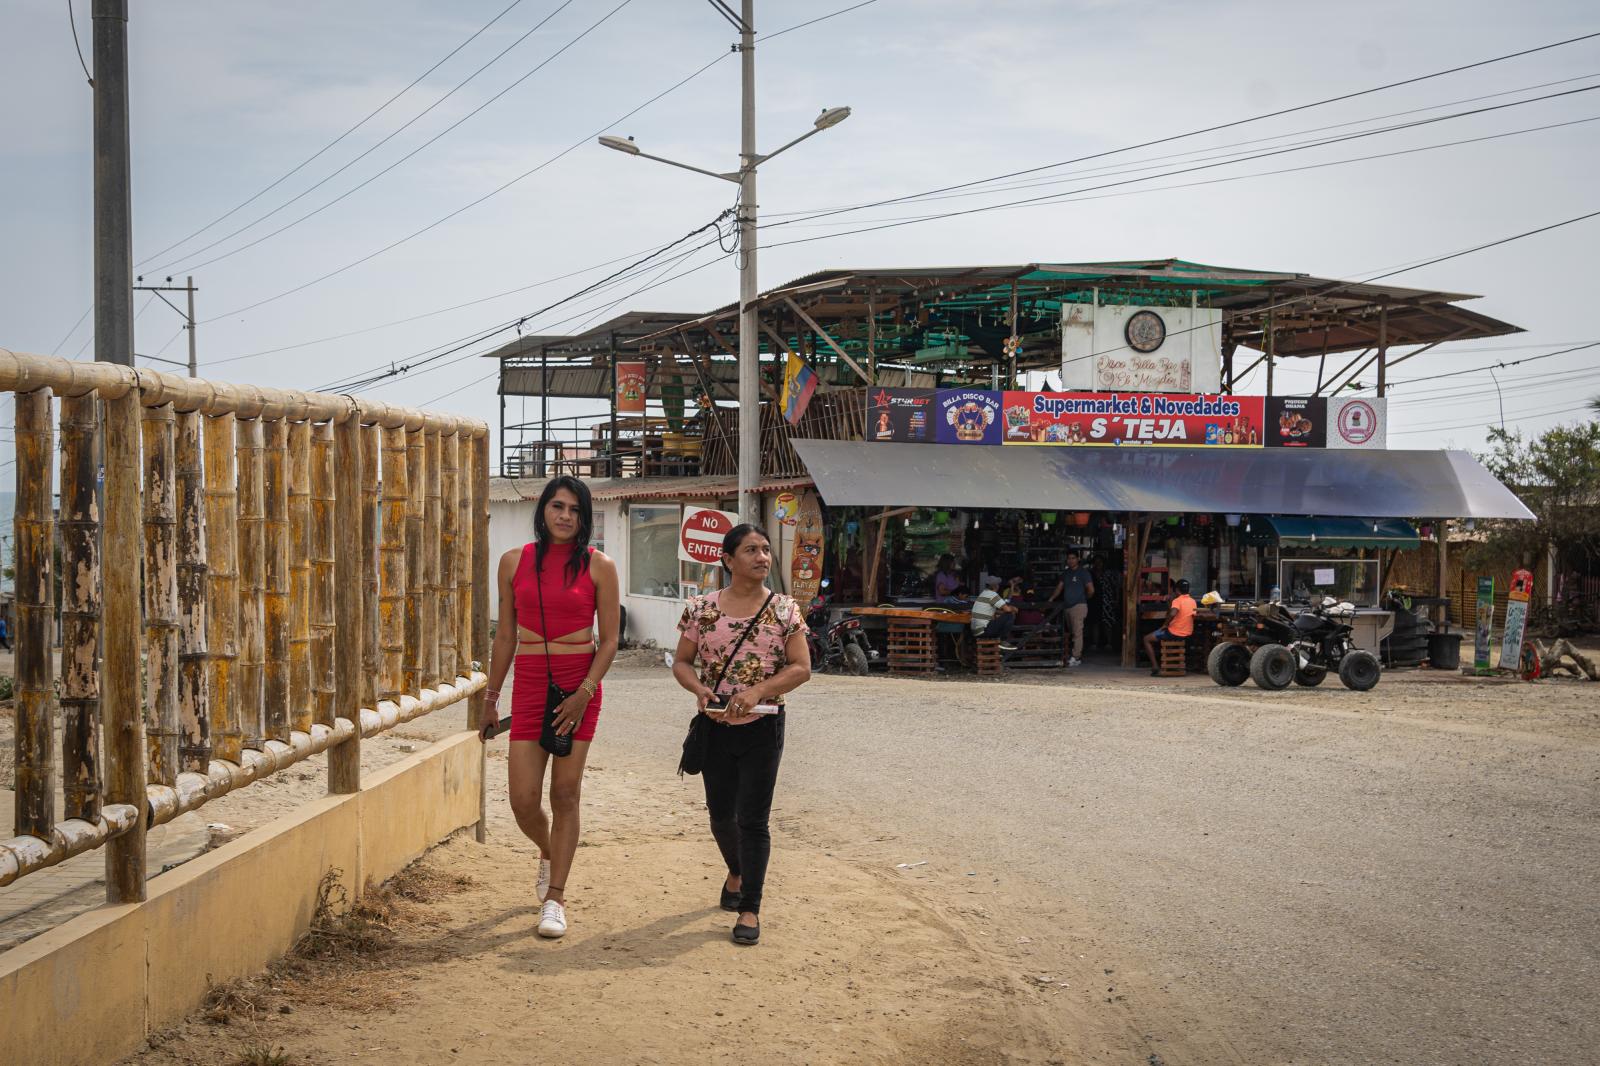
913, 646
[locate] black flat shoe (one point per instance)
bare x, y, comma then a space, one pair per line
730, 900
747, 934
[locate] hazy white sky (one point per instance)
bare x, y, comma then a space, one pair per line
227, 98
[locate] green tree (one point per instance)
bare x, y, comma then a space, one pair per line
1557, 474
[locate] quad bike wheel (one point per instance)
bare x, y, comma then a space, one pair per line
1359, 670
1273, 667
1310, 676
1229, 664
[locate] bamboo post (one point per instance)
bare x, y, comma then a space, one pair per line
193, 696
35, 735
119, 664
416, 480
464, 557
252, 580
222, 580
430, 561
480, 599
344, 760
80, 603
300, 698
392, 568
322, 577
449, 516
161, 594
275, 709
371, 447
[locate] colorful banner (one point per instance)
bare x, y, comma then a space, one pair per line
1297, 422
799, 382
903, 415
1481, 639
630, 388
967, 416
1117, 418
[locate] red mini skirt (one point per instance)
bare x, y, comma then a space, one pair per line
528, 691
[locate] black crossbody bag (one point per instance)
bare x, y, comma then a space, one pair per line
554, 696
698, 740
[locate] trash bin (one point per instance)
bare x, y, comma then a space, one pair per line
1444, 651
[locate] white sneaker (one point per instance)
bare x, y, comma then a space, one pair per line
553, 920
544, 879
1074, 662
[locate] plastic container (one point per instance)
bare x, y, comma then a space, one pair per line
1444, 651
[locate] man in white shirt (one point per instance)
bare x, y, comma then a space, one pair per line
992, 616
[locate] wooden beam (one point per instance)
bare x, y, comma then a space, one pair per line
121, 634
371, 504
416, 488
80, 602
275, 713
194, 695
344, 759
34, 814
161, 594
222, 581
252, 581
480, 599
324, 679
449, 538
301, 701
392, 556
430, 558
829, 341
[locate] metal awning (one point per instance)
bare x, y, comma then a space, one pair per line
1381, 484
1367, 532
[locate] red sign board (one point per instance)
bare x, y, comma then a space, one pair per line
1108, 418
700, 535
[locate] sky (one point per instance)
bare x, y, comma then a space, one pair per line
227, 100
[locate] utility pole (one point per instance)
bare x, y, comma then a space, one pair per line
749, 324
113, 209
188, 316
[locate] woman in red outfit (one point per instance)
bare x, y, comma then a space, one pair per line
574, 588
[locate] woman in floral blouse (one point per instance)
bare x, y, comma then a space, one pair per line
741, 765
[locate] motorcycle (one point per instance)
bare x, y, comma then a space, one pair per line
840, 646
1299, 648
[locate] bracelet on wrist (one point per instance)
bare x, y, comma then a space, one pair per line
589, 686
491, 696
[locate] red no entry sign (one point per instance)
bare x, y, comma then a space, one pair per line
700, 536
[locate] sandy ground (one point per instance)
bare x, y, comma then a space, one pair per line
1038, 869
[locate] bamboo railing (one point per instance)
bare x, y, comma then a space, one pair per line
259, 576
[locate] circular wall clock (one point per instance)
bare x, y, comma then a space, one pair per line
1145, 331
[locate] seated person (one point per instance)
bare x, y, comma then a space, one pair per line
1179, 625
960, 596
946, 577
992, 616
1020, 596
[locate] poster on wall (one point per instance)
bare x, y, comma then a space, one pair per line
630, 388
967, 416
1144, 349
1297, 422
1358, 422
1481, 639
902, 415
805, 569
1132, 418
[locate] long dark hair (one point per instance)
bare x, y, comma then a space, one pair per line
580, 544
736, 537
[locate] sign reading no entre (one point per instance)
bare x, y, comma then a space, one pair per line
701, 532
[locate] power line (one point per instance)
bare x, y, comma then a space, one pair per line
72, 19
425, 144
1500, 365
1484, 423
1225, 125
320, 151
813, 22
469, 206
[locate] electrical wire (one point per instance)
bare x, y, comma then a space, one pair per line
72, 20
469, 206
813, 22
313, 157
193, 266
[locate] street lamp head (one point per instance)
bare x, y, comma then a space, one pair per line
621, 144
832, 117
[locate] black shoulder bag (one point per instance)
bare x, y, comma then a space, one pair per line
698, 740
554, 696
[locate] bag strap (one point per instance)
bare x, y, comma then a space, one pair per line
728, 662
538, 584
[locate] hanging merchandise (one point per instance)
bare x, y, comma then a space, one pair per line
786, 510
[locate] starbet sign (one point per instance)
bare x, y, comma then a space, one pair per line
701, 532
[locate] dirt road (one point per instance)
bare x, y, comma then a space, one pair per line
1132, 872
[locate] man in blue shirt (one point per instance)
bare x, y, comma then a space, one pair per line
1074, 591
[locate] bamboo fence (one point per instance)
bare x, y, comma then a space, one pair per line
259, 576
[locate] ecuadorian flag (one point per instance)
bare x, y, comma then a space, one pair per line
799, 382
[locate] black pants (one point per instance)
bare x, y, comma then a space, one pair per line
1000, 625
740, 772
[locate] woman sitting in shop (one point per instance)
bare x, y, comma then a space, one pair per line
946, 577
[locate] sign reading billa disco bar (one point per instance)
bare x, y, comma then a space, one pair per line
981, 416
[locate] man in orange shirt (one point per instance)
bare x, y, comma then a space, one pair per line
1178, 626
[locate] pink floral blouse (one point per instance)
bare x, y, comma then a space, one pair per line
761, 655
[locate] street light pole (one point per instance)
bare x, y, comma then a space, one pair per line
749, 327
113, 211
